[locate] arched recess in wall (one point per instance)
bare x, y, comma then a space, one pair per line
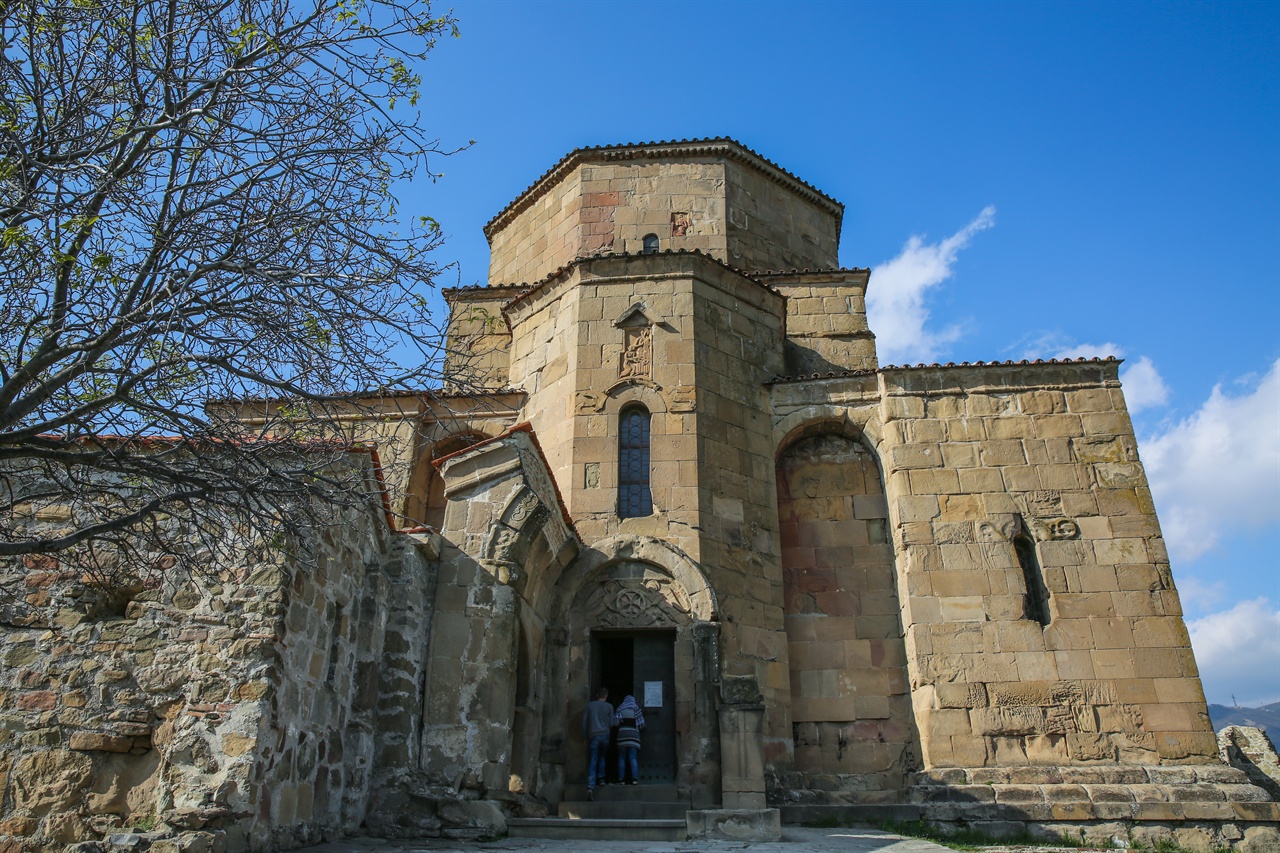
425, 501
860, 423
841, 610
524, 726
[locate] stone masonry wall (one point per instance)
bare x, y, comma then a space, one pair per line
543, 237
663, 388
772, 228
737, 334
733, 211
976, 457
240, 705
544, 364
611, 207
338, 699
826, 322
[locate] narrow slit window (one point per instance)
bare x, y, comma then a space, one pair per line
650, 244
1036, 603
335, 645
634, 497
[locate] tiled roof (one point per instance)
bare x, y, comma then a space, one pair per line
809, 377
394, 394
723, 145
471, 288
805, 271
935, 365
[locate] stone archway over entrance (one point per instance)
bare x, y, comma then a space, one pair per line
631, 623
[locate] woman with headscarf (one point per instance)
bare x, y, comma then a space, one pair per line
630, 720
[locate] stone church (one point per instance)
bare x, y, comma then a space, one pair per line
670, 464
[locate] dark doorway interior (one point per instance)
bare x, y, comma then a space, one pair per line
624, 662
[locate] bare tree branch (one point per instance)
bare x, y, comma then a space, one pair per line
195, 204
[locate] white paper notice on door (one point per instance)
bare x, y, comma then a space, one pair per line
653, 694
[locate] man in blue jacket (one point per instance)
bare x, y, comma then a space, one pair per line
597, 719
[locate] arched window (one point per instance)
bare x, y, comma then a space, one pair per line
634, 497
650, 244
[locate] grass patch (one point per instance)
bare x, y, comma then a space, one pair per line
146, 823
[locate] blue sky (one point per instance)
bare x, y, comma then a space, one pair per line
1030, 179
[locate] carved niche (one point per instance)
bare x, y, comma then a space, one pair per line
634, 595
636, 360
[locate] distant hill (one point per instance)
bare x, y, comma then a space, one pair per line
1267, 717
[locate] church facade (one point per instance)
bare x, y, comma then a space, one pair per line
671, 464
884, 585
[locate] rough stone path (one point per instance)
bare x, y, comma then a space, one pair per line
795, 839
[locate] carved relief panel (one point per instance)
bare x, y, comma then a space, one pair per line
636, 361
634, 595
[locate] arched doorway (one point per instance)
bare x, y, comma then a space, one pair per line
637, 617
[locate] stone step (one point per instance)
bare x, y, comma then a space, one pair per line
850, 814
569, 829
622, 810
624, 793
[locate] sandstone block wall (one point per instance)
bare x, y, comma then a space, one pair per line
771, 226
544, 362
826, 322
477, 339
545, 234
976, 458
505, 538
738, 339
717, 198
610, 207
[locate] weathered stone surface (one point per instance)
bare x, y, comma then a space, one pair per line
51, 780
100, 742
948, 574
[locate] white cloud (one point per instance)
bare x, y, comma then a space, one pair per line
1198, 595
1239, 647
895, 299
1085, 351
1218, 471
1143, 385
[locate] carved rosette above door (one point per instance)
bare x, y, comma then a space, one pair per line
634, 595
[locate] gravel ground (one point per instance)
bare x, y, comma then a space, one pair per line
795, 839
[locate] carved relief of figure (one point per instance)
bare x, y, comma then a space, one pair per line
680, 224
995, 542
636, 360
